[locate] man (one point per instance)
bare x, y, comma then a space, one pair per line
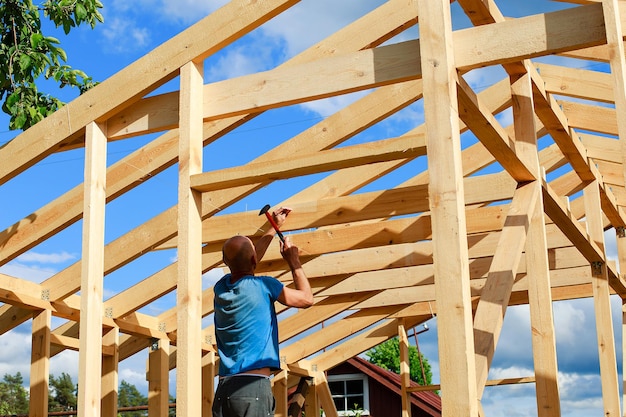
246, 326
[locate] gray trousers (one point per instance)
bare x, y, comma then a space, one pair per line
244, 396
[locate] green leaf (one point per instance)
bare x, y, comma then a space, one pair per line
25, 62
80, 12
35, 39
19, 121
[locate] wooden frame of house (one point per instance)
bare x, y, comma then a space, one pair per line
386, 260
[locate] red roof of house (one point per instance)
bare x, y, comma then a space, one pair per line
393, 382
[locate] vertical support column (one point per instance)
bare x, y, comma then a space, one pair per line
621, 259
602, 305
279, 389
617, 59
110, 379
92, 272
325, 396
537, 264
158, 378
447, 205
208, 383
189, 288
405, 369
40, 364
312, 402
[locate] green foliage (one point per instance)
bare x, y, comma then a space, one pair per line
130, 396
387, 356
27, 54
13, 395
62, 393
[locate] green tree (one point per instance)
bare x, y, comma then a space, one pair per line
387, 356
62, 395
130, 396
13, 395
27, 54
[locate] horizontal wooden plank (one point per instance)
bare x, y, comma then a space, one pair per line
408, 146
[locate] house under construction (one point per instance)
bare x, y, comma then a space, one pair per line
516, 217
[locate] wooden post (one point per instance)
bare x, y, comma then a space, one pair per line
110, 378
92, 272
537, 266
279, 388
189, 288
617, 59
158, 378
405, 369
40, 364
620, 237
325, 396
312, 402
602, 305
447, 205
208, 383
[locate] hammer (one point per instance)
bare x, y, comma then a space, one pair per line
265, 210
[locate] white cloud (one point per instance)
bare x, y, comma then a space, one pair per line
331, 105
133, 375
16, 346
124, 35
30, 273
189, 11
311, 21
47, 258
65, 362
568, 321
240, 61
210, 277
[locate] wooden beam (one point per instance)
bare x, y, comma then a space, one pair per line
405, 369
544, 34
157, 375
458, 370
615, 44
537, 260
408, 146
110, 375
92, 272
602, 306
209, 374
189, 283
576, 82
40, 364
589, 117
494, 298
485, 126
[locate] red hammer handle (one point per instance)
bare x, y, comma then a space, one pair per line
275, 226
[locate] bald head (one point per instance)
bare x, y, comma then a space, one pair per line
239, 254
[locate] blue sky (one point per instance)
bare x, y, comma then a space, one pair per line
132, 29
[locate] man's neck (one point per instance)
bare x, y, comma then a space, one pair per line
236, 275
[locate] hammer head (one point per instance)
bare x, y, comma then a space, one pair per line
264, 209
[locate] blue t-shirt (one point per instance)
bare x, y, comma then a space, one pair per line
246, 327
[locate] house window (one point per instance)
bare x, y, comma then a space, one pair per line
350, 394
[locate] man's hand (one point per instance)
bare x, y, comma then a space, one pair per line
301, 296
291, 254
280, 215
